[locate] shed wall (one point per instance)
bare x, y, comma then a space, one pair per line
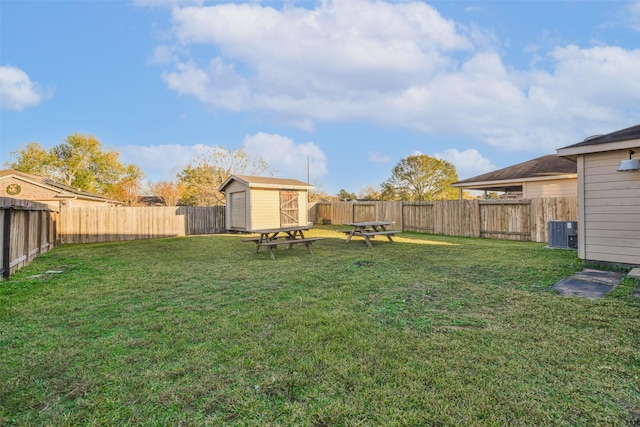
265, 208
611, 210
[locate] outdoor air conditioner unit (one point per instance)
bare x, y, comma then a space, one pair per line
563, 234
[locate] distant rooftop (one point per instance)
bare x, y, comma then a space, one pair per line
63, 188
545, 166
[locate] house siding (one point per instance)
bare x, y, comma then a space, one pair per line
552, 188
28, 191
611, 210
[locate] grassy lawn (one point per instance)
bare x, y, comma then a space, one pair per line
429, 330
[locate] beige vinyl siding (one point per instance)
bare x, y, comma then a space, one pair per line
265, 205
611, 207
265, 208
551, 188
303, 203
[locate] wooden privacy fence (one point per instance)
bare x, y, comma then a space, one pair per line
111, 224
28, 230
524, 220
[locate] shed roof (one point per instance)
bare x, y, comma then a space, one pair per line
267, 182
618, 140
511, 178
63, 190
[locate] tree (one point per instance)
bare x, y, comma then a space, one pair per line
82, 162
419, 178
369, 193
32, 158
345, 196
204, 175
319, 194
128, 188
168, 191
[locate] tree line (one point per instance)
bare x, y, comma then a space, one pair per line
81, 161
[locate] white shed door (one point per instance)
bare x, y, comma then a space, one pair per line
289, 209
238, 210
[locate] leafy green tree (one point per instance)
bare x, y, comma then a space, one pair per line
32, 158
421, 178
82, 162
204, 175
345, 196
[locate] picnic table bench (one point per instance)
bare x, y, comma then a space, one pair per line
271, 238
369, 230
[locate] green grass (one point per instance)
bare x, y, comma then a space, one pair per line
429, 330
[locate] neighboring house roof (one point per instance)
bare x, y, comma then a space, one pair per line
63, 190
623, 139
266, 182
511, 178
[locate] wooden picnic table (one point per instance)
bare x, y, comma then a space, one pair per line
369, 230
273, 237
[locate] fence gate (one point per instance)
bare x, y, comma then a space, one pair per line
289, 209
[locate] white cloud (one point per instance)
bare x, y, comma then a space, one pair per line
399, 64
17, 91
468, 163
161, 162
288, 158
376, 157
285, 157
313, 63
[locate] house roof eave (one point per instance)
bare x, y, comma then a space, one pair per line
514, 182
571, 152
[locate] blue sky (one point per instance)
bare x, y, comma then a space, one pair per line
354, 86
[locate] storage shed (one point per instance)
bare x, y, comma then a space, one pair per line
258, 203
608, 196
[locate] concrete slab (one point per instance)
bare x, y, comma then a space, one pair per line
634, 273
589, 283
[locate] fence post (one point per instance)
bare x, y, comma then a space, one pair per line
6, 243
27, 237
402, 215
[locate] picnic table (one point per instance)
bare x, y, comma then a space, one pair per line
369, 230
272, 237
